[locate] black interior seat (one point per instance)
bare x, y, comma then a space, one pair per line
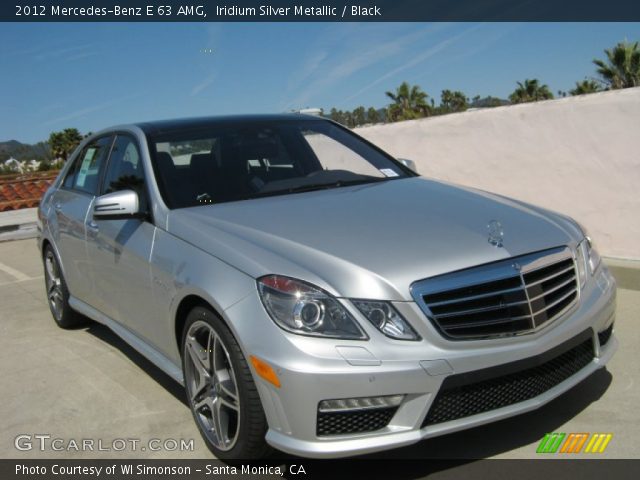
174, 183
204, 176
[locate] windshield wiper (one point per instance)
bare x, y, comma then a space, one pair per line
310, 187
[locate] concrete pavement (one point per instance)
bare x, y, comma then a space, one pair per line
88, 384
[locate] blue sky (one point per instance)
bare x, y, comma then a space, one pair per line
93, 75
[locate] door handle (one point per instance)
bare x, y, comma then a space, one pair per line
93, 226
57, 206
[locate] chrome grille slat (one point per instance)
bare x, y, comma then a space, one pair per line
554, 303
532, 284
551, 290
530, 291
457, 326
480, 310
475, 297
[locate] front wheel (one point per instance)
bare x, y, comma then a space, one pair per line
220, 390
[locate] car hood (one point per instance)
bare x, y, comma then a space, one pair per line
369, 241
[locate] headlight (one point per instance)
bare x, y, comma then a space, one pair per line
593, 257
386, 319
581, 263
587, 258
302, 308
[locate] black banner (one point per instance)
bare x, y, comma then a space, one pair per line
369, 469
319, 11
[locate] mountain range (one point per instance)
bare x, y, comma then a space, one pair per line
24, 151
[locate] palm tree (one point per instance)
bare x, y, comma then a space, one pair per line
453, 101
359, 116
409, 102
63, 143
372, 115
623, 67
530, 91
586, 86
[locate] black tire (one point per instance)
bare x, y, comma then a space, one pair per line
58, 293
251, 424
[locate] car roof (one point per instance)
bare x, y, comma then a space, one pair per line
165, 126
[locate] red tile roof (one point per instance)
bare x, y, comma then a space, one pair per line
23, 191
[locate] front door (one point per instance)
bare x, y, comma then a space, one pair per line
119, 249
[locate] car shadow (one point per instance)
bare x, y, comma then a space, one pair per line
511, 433
448, 452
169, 384
431, 455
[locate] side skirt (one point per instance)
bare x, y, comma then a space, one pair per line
142, 347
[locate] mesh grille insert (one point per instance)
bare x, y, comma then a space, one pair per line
358, 421
462, 396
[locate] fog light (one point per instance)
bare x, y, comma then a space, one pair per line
364, 403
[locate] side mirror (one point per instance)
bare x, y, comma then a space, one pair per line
409, 164
117, 205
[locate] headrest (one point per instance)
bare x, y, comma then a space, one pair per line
202, 164
257, 149
165, 162
198, 160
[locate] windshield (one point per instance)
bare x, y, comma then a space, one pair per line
243, 161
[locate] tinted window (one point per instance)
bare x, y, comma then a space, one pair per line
71, 174
125, 168
125, 171
242, 161
86, 173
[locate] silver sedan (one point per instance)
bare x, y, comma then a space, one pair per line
314, 294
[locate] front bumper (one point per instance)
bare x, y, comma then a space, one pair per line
311, 370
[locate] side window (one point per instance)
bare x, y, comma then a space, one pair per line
71, 174
90, 163
125, 171
125, 167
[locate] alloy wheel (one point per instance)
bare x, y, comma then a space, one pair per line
55, 293
212, 385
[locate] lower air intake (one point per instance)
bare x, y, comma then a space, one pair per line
463, 395
358, 421
605, 335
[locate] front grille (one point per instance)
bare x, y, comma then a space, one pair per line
503, 298
605, 335
356, 421
463, 395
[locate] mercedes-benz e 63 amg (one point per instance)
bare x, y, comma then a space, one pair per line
314, 294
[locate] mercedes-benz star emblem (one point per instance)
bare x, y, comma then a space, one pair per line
496, 233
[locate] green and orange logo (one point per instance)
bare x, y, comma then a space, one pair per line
574, 443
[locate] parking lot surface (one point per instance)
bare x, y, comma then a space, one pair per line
87, 384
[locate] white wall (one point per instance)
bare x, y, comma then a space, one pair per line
577, 155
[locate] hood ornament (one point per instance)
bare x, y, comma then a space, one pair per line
496, 233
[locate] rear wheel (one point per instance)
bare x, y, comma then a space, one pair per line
57, 292
222, 395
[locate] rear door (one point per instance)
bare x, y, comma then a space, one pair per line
119, 249
71, 204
